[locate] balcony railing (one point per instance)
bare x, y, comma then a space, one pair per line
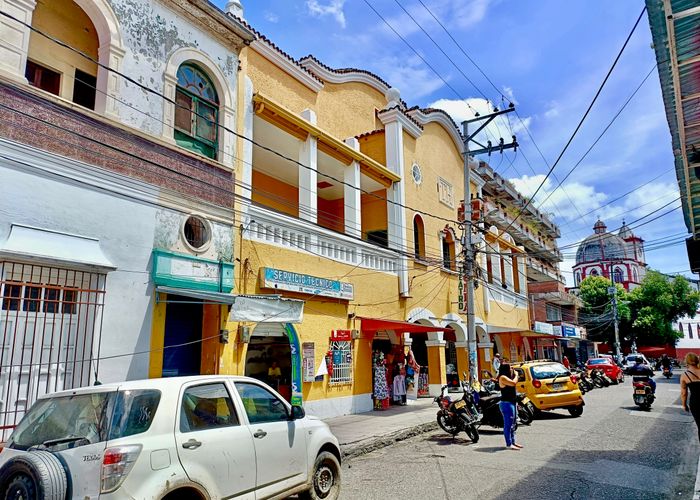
506, 296
272, 228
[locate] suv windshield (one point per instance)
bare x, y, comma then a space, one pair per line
549, 370
80, 419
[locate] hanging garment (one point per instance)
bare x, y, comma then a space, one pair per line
381, 389
399, 387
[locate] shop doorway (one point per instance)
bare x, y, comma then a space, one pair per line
269, 358
451, 366
183, 325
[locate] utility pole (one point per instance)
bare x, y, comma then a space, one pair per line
467, 276
612, 290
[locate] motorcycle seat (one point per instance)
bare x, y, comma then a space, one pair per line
491, 397
644, 378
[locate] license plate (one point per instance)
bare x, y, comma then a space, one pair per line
640, 391
557, 387
526, 401
460, 404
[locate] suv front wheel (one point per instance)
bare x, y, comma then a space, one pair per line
325, 478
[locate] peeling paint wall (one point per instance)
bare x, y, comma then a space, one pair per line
151, 33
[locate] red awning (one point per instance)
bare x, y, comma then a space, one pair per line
373, 325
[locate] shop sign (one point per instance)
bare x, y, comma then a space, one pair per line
341, 335
462, 295
185, 271
294, 347
308, 360
568, 331
541, 327
304, 283
557, 330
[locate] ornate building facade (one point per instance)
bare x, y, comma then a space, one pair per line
619, 257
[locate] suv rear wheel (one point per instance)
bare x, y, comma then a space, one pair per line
325, 478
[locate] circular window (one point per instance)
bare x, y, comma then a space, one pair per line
416, 173
197, 233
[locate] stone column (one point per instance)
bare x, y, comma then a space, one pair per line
436, 366
353, 195
14, 42
308, 174
106, 100
462, 348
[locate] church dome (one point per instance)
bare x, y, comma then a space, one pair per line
625, 232
601, 246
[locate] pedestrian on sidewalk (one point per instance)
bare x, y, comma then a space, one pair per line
690, 383
507, 378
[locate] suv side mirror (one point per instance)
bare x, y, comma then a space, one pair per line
297, 413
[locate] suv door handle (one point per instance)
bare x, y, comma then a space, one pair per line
260, 434
191, 444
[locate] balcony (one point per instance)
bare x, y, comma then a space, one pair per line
521, 233
506, 296
537, 271
273, 228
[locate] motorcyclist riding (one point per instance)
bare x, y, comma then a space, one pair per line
666, 362
641, 369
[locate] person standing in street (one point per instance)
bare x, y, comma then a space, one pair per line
690, 388
496, 363
507, 378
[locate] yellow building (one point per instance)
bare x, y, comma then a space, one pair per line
348, 200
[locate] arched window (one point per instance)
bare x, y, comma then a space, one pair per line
448, 250
578, 278
635, 275
594, 272
618, 276
418, 237
196, 111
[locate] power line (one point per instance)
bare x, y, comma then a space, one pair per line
583, 118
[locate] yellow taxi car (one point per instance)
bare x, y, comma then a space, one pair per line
549, 385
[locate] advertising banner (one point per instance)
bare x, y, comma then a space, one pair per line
304, 283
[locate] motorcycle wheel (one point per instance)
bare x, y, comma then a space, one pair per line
598, 383
443, 422
524, 415
472, 432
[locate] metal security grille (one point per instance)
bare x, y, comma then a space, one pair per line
50, 332
341, 354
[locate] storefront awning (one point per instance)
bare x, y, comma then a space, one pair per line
373, 325
248, 308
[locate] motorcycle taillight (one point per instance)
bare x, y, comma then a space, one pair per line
639, 384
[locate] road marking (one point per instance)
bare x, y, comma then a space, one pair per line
671, 417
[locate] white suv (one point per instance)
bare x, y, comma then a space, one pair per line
204, 437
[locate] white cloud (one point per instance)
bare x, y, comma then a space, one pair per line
567, 203
271, 17
409, 75
552, 110
453, 14
502, 126
333, 8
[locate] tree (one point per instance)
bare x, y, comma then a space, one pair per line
656, 303
597, 313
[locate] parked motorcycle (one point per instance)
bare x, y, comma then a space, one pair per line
643, 395
488, 401
585, 384
599, 378
668, 372
460, 415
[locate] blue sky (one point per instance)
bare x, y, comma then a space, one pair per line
550, 57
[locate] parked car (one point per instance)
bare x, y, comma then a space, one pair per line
550, 385
631, 359
204, 437
609, 367
611, 358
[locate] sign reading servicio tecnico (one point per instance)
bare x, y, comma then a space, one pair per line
304, 283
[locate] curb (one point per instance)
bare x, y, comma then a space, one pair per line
353, 450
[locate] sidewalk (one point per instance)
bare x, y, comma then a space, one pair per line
364, 432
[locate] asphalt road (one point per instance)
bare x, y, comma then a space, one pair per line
612, 451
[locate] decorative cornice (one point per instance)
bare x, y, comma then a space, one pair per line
270, 52
345, 75
396, 114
